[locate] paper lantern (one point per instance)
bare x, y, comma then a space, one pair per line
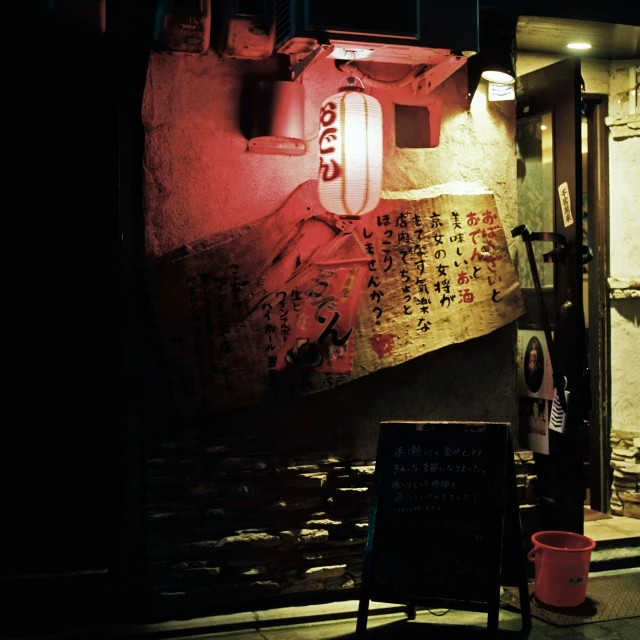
350, 141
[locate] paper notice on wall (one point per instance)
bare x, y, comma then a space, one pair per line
499, 91
535, 375
322, 323
565, 204
237, 328
535, 413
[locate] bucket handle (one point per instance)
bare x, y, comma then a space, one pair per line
531, 556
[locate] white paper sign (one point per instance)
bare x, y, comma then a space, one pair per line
498, 92
535, 416
565, 204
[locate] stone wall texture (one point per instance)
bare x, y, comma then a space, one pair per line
624, 195
624, 190
273, 500
625, 462
231, 522
200, 179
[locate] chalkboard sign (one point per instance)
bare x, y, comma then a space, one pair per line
436, 526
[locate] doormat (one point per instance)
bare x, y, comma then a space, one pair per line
608, 598
590, 514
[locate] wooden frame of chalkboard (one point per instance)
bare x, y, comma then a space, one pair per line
444, 525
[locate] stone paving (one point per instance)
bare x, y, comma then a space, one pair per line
453, 625
337, 621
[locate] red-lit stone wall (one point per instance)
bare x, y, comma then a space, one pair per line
273, 500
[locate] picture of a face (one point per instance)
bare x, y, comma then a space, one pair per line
533, 365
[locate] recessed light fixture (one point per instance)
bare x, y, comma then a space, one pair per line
579, 45
543, 127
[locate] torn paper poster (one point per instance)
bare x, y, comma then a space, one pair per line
247, 320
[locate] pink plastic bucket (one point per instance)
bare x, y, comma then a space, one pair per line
562, 567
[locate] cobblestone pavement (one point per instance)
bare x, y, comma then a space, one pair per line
453, 625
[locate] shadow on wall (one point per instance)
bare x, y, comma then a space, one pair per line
628, 308
252, 111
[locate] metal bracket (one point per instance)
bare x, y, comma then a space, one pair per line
548, 236
559, 255
555, 256
433, 77
320, 52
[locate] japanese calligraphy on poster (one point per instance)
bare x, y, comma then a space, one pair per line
238, 328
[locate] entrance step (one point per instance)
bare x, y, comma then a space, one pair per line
617, 543
620, 553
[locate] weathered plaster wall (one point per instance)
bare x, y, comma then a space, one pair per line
624, 229
199, 180
625, 369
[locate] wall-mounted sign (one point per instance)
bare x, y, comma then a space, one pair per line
565, 204
420, 275
500, 91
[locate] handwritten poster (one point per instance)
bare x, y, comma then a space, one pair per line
236, 328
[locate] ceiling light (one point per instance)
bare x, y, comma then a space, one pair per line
543, 127
579, 45
500, 63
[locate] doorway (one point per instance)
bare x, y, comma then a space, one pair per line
554, 380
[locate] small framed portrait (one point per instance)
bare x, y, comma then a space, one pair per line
533, 363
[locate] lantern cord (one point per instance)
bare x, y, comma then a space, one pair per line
351, 64
345, 227
355, 235
349, 226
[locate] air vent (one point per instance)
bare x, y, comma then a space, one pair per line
283, 21
395, 19
396, 31
251, 7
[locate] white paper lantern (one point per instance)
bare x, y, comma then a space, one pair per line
350, 145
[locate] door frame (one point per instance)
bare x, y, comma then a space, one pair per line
557, 88
595, 110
